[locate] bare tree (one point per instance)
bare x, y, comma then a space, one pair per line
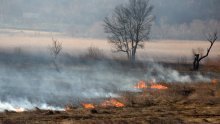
129, 27
55, 50
211, 38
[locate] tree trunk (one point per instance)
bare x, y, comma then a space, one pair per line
128, 55
196, 62
133, 57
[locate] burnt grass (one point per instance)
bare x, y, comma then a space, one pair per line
181, 103
185, 103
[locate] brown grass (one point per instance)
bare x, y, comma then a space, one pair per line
179, 104
212, 64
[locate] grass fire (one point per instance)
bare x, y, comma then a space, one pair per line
109, 62
88, 106
143, 85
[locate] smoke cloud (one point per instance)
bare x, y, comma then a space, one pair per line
36, 83
159, 73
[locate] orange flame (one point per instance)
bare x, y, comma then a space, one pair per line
141, 85
88, 106
112, 103
158, 86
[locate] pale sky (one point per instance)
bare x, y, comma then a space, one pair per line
175, 19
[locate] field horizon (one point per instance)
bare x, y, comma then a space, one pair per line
162, 50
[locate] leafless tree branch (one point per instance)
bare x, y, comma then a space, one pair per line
129, 26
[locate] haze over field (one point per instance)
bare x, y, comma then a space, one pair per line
78, 24
179, 19
166, 50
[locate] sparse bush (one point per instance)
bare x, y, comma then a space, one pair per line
94, 53
55, 50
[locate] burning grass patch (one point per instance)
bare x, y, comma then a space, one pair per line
178, 104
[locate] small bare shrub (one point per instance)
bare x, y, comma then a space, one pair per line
55, 50
94, 53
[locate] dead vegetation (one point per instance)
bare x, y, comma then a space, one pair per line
179, 104
212, 64
93, 54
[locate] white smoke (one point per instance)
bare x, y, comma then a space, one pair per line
45, 88
25, 105
41, 86
161, 74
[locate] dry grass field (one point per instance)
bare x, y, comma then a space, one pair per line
197, 103
149, 103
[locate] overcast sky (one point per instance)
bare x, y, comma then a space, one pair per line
175, 19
